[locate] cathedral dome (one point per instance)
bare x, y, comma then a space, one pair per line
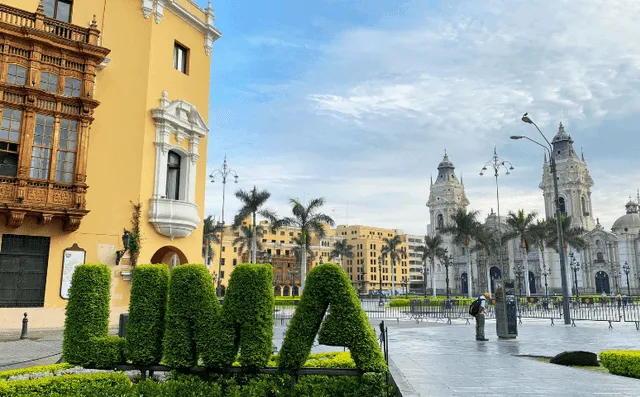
628, 223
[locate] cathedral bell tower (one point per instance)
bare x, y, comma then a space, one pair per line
446, 195
574, 183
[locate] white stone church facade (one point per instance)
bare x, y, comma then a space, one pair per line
601, 265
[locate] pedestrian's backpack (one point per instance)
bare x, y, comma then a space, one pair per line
474, 309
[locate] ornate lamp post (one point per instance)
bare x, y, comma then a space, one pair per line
447, 262
563, 265
404, 285
545, 273
222, 173
496, 163
425, 272
380, 301
575, 266
519, 271
627, 269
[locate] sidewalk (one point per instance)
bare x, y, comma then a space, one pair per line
433, 359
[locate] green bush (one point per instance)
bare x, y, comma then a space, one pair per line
622, 362
246, 321
107, 351
87, 313
147, 307
369, 384
95, 385
53, 368
399, 302
345, 325
192, 312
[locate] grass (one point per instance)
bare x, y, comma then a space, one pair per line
600, 369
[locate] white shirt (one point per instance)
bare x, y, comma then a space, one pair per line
483, 302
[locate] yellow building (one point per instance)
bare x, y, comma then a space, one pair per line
104, 105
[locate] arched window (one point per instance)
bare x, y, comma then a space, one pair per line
563, 207
599, 257
173, 176
585, 210
440, 221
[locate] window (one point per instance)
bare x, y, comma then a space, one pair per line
49, 82
235, 261
440, 221
58, 9
41, 151
173, 176
561, 204
66, 150
180, 58
71, 87
16, 74
9, 138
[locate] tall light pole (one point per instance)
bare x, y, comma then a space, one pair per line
222, 173
545, 273
447, 262
627, 269
575, 266
380, 302
498, 164
554, 174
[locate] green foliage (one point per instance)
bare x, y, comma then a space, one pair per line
53, 368
246, 322
399, 302
147, 309
135, 244
192, 312
622, 362
107, 351
370, 384
95, 385
345, 325
330, 360
87, 313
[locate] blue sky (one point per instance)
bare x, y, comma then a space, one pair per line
355, 101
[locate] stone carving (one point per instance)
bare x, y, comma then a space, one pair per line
45, 219
37, 195
63, 197
15, 218
71, 223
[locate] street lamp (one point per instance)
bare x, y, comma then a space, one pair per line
425, 271
497, 164
404, 285
519, 271
222, 173
575, 266
362, 280
563, 265
380, 302
447, 262
627, 269
545, 273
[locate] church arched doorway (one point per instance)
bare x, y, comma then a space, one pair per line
532, 282
464, 283
495, 274
602, 283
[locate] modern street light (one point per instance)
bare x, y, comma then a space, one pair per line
563, 265
380, 302
222, 173
627, 269
496, 163
447, 262
575, 266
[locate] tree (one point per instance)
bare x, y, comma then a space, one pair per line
519, 224
464, 229
341, 249
393, 251
539, 234
247, 237
310, 222
487, 240
252, 201
572, 236
431, 250
210, 235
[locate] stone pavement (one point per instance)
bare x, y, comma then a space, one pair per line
435, 359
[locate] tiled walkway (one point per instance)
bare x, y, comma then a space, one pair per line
432, 360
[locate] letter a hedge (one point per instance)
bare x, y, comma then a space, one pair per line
346, 325
246, 322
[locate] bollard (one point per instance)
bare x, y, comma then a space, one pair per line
25, 321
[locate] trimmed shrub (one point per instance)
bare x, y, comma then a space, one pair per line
53, 369
622, 362
399, 302
87, 313
108, 351
192, 312
345, 325
246, 321
147, 307
96, 384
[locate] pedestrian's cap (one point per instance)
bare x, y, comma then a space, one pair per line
486, 295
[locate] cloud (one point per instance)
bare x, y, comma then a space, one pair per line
368, 120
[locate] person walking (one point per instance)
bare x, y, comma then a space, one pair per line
480, 317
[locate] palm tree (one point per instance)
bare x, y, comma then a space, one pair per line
572, 236
539, 234
252, 201
393, 251
487, 240
464, 229
309, 221
342, 249
520, 223
431, 250
210, 235
246, 238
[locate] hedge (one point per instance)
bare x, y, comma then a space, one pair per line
107, 351
53, 368
95, 385
192, 312
622, 362
246, 321
87, 313
147, 307
345, 325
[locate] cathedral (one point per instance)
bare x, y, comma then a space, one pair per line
608, 264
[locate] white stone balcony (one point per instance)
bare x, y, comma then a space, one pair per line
173, 218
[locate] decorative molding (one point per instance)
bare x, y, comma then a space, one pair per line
173, 218
159, 10
71, 223
103, 64
147, 8
15, 219
45, 219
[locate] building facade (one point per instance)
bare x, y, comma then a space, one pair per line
104, 124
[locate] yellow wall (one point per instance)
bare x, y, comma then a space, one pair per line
122, 155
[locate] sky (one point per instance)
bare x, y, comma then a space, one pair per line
357, 100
